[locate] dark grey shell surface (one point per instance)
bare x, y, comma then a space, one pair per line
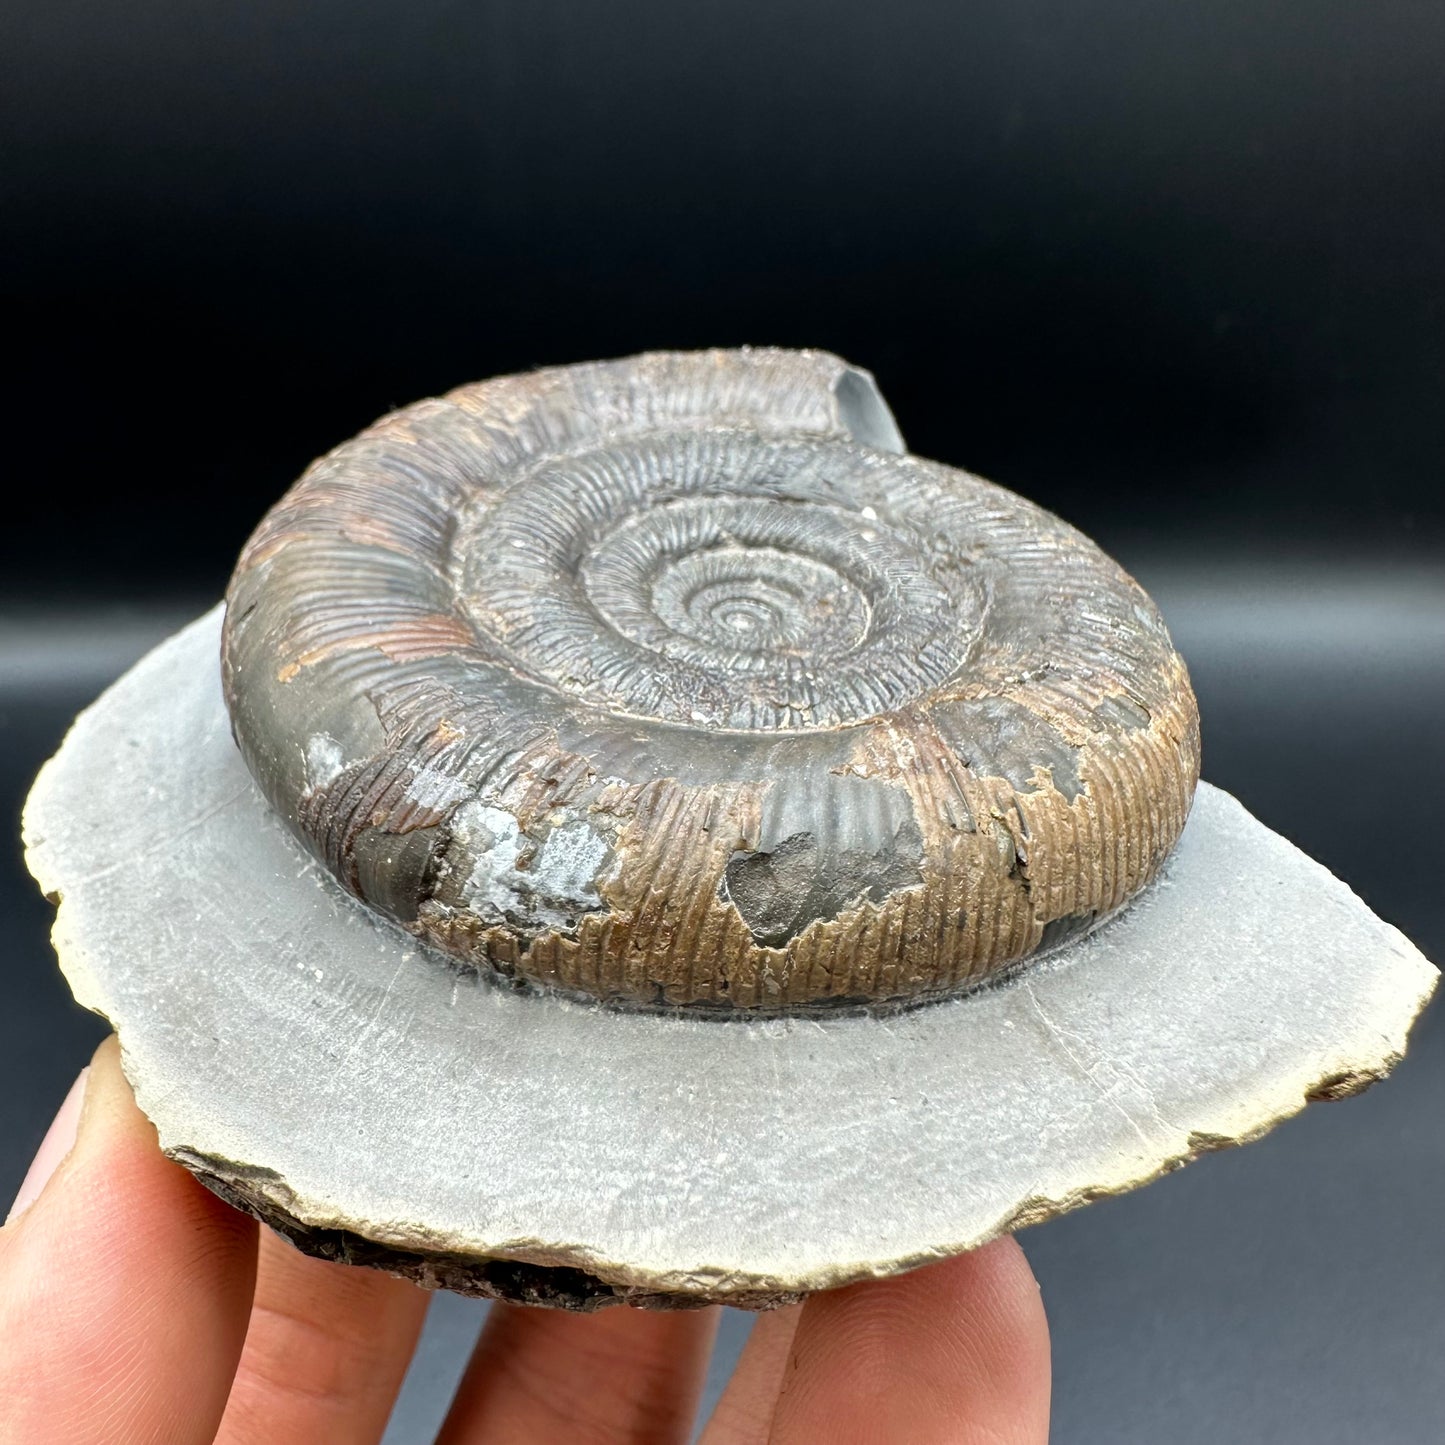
675, 681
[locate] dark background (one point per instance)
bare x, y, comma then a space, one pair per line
1172, 269
1176, 271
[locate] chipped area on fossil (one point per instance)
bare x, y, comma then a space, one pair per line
381, 1109
1005, 738
782, 890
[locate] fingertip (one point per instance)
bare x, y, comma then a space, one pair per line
1001, 1329
152, 1190
54, 1149
957, 1351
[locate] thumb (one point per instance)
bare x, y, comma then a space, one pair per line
125, 1285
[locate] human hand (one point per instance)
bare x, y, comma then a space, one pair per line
137, 1307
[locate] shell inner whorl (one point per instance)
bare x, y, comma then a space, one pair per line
723, 579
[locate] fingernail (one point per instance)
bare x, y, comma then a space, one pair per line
59, 1138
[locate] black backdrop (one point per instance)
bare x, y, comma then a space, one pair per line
1175, 270
1170, 269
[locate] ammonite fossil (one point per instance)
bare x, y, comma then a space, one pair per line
675, 681
633, 741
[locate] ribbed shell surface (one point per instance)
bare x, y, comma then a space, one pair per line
674, 681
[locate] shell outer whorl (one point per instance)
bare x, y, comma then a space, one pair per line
675, 682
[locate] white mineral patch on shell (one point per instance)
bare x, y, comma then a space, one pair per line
432, 788
314, 1063
568, 864
537, 886
324, 762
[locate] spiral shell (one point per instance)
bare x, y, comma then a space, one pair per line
674, 681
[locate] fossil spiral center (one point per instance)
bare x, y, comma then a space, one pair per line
760, 600
706, 588
733, 582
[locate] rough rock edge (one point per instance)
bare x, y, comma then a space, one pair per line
519, 1280
563, 1276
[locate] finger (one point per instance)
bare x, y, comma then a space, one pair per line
744, 1411
624, 1375
325, 1353
124, 1289
956, 1352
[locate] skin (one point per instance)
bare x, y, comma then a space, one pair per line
138, 1309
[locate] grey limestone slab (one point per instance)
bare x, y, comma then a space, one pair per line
379, 1104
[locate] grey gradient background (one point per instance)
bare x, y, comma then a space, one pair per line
1177, 272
